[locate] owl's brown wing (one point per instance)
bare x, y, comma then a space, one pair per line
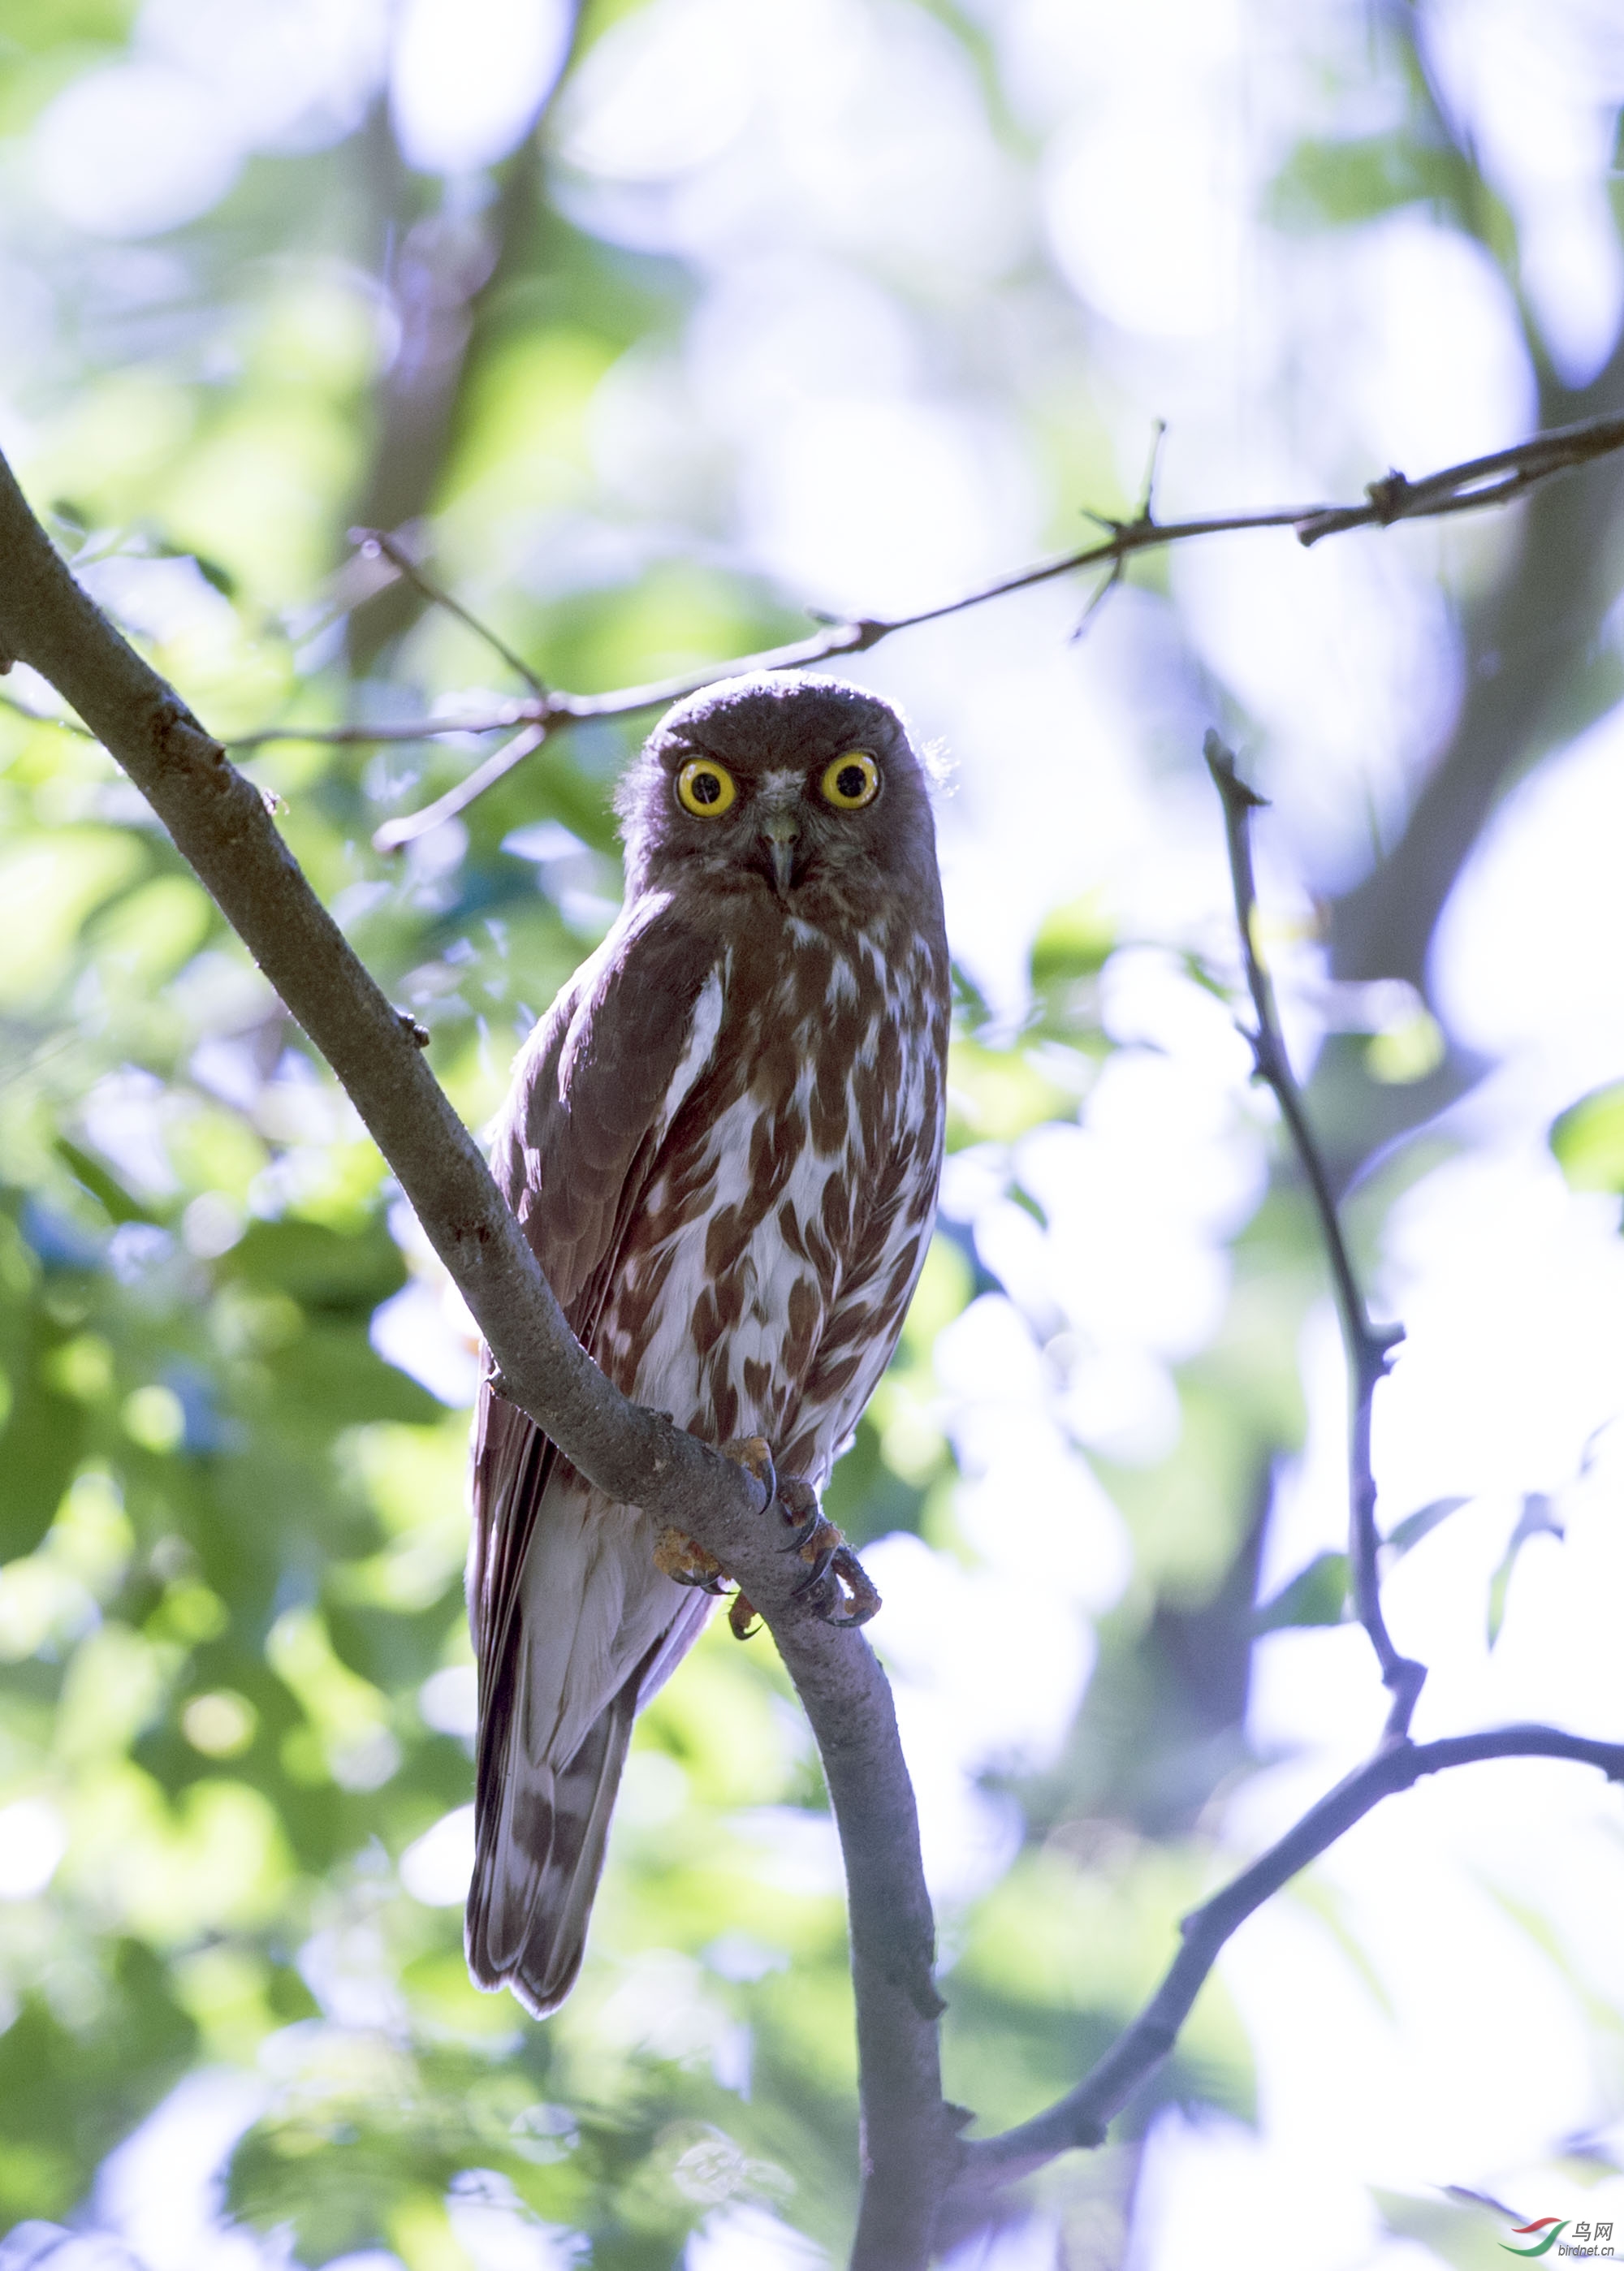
596, 1091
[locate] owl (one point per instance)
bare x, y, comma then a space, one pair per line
723, 1141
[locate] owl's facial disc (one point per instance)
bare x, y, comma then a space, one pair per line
801, 788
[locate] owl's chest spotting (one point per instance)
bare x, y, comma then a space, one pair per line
793, 1186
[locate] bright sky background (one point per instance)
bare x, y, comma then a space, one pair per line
792, 152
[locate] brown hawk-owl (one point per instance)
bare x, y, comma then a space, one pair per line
723, 1141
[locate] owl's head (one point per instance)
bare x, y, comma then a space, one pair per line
783, 784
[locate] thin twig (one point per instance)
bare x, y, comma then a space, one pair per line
1147, 502
43, 717
1097, 599
373, 541
1369, 1347
1080, 2118
395, 833
1466, 487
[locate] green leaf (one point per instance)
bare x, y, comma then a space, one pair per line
1317, 1595
42, 1443
1539, 1518
1343, 182
1414, 1527
321, 1267
971, 1008
328, 1380
71, 2088
995, 1095
109, 1194
1073, 942
1588, 1140
49, 884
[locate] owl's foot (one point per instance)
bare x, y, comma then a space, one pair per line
753, 1453
683, 1559
836, 1585
799, 1504
686, 1562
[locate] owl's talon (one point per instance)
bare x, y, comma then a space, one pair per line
753, 1453
865, 1599
686, 1562
813, 1580
836, 1586
799, 1498
701, 1581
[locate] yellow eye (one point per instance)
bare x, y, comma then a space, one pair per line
851, 781
705, 788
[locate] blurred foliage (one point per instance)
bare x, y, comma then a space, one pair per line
236, 1676
1587, 1141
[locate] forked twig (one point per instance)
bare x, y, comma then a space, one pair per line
1466, 487
1369, 1347
486, 774
1080, 2118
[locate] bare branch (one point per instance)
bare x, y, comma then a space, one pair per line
1467, 487
394, 833
1493, 480
41, 716
1369, 1347
374, 540
219, 821
1080, 2118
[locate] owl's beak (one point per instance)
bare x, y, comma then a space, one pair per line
781, 831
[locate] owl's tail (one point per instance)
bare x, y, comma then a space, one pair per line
540, 1836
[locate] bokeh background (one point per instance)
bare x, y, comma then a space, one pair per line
654, 328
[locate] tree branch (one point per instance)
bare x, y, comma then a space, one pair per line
1080, 2118
1466, 487
376, 544
220, 823
1369, 1347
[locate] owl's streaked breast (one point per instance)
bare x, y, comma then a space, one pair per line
783, 1224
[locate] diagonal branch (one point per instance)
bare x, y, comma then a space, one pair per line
221, 825
1369, 1347
1080, 2118
1466, 487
